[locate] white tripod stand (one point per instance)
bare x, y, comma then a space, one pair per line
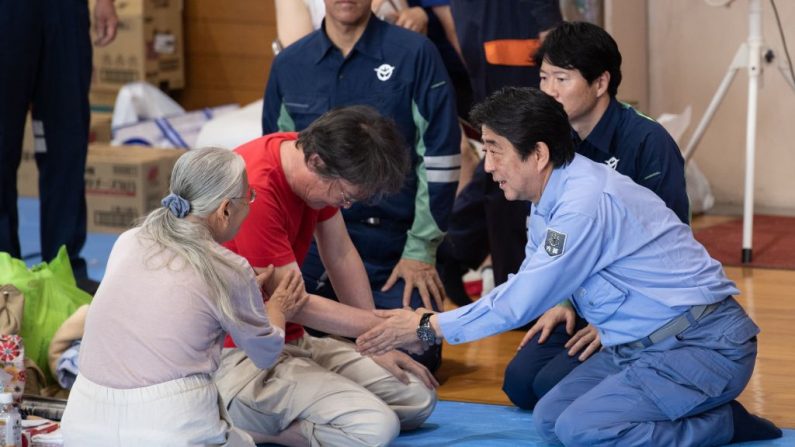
749, 55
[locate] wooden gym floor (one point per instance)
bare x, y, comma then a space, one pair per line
473, 372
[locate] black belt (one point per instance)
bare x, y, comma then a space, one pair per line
675, 326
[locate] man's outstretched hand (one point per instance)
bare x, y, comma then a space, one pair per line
399, 330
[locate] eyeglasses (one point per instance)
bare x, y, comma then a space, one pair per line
250, 197
347, 200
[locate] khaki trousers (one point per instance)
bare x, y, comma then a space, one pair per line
339, 397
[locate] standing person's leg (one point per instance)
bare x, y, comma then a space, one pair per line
20, 46
61, 114
536, 368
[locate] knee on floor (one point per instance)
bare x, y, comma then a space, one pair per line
572, 428
417, 406
517, 385
545, 416
379, 429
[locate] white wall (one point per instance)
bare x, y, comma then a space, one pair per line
690, 47
626, 21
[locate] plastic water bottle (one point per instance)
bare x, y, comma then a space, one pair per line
10, 422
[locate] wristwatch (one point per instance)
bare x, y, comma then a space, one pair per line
424, 331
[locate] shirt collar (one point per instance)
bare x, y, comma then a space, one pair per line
369, 42
602, 134
550, 194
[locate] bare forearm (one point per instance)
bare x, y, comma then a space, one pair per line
344, 265
275, 315
446, 19
335, 318
350, 282
293, 21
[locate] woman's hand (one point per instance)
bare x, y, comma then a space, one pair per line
289, 296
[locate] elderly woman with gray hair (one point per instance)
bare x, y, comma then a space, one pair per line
171, 292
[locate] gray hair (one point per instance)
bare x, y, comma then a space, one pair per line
204, 178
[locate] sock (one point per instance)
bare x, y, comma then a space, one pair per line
748, 427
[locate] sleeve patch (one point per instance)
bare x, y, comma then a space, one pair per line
555, 243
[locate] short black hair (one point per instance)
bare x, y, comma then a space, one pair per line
526, 116
585, 47
360, 146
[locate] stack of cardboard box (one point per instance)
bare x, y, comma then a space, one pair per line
124, 183
149, 47
28, 176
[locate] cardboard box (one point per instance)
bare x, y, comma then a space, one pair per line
124, 183
101, 100
149, 46
28, 173
99, 131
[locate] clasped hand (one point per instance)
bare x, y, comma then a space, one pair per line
398, 330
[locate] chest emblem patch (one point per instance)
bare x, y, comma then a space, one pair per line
554, 243
384, 72
612, 163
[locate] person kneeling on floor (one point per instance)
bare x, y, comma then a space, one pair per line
155, 329
321, 391
678, 348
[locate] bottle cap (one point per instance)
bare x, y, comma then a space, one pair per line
6, 398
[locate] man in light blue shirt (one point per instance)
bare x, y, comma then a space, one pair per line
678, 347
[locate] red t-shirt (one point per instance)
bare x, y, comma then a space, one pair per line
280, 225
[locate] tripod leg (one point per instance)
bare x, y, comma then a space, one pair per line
750, 157
754, 70
740, 60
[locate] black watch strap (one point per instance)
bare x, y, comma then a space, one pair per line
424, 331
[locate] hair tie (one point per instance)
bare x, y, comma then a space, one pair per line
176, 204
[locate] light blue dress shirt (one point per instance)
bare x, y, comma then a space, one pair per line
623, 258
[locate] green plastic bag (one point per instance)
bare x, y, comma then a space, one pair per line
51, 296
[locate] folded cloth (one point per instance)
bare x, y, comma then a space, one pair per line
53, 439
69, 331
66, 368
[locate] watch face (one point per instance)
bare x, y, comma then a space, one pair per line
424, 331
426, 334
